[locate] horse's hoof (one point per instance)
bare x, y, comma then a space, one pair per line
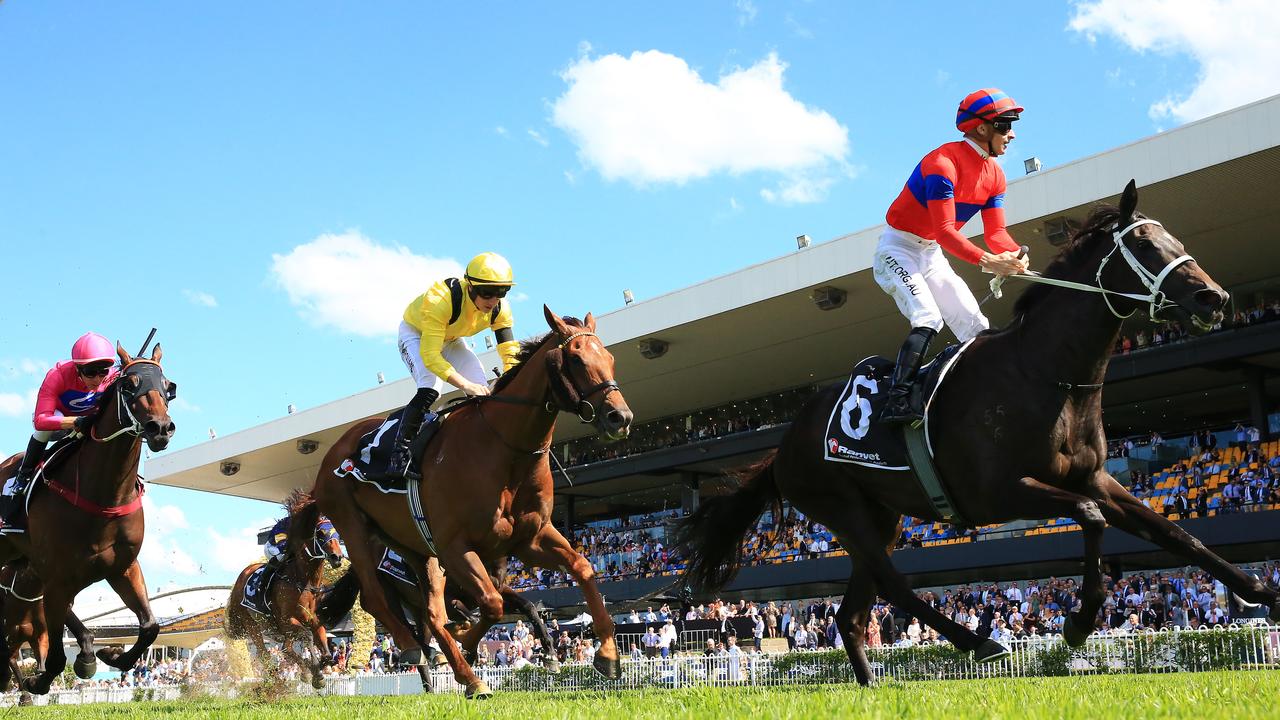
551, 665
317, 683
111, 656
412, 656
1075, 632
479, 691
611, 668
25, 700
85, 666
30, 685
990, 651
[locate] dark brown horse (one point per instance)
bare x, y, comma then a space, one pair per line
487, 493
85, 521
1017, 433
22, 613
296, 593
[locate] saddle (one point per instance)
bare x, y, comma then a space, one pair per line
369, 463
257, 590
854, 436
63, 441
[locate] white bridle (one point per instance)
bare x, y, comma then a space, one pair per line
1155, 298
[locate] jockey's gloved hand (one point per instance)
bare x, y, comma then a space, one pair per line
84, 423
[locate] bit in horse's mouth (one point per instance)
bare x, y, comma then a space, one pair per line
1204, 325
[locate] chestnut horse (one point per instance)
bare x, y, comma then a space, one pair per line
487, 494
296, 593
1016, 431
85, 520
22, 613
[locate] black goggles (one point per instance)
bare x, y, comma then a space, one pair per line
491, 292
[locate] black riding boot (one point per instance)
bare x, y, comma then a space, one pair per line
415, 413
899, 408
30, 460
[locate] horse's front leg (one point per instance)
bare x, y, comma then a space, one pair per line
131, 587
549, 549
1126, 512
86, 665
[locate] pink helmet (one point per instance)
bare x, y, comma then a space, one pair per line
92, 347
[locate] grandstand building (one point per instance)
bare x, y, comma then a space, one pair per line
708, 393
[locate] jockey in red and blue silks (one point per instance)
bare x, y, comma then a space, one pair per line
948, 187
67, 400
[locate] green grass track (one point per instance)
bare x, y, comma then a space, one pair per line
1203, 696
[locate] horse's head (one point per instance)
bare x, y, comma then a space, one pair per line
580, 371
327, 542
1153, 264
143, 398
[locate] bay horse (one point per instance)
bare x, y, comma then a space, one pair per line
465, 613
85, 519
22, 618
1016, 431
296, 593
486, 492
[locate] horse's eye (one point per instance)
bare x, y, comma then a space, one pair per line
1143, 243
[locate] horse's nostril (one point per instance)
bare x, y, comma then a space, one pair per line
615, 418
1210, 298
151, 427
170, 430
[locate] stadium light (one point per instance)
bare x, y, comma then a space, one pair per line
653, 348
1031, 164
381, 378
627, 297
828, 297
488, 343
291, 408
802, 242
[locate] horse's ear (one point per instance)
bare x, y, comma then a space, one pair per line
1128, 202
125, 357
555, 323
590, 322
156, 354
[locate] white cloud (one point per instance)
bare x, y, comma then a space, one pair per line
203, 299
1235, 42
351, 283
22, 367
18, 404
501, 131
520, 297
650, 118
163, 550
798, 190
182, 405
734, 204
747, 12
234, 551
538, 137
797, 29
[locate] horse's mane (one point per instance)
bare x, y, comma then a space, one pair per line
1074, 253
526, 351
303, 514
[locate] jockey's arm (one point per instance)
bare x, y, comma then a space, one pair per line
508, 347
47, 417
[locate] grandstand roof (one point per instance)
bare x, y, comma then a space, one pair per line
755, 330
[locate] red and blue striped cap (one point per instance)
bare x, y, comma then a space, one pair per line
984, 106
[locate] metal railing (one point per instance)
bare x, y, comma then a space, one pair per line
1167, 651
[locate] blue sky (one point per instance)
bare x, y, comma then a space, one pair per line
269, 183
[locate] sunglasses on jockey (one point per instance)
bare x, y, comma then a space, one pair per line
492, 292
94, 371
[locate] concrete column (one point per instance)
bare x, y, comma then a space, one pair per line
1256, 382
690, 484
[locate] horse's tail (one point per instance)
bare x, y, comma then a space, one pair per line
339, 600
712, 536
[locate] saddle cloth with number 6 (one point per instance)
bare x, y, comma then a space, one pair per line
852, 434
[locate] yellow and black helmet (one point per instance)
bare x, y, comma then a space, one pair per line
489, 269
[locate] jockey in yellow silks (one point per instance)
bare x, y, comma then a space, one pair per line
433, 347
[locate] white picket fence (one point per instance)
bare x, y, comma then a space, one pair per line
1233, 648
